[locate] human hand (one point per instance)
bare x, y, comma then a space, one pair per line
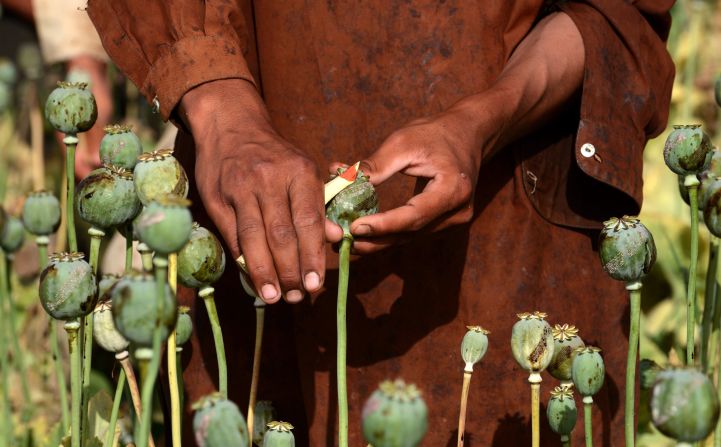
264, 195
444, 151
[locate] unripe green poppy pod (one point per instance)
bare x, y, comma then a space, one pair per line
134, 306
395, 415
5, 96
588, 370
532, 341
279, 434
106, 198
71, 108
684, 405
67, 286
219, 423
41, 213
474, 346
357, 200
105, 285
561, 411
626, 248
712, 212
184, 326
565, 341
263, 414
120, 146
201, 261
648, 371
12, 234
8, 72
165, 225
158, 174
105, 333
687, 150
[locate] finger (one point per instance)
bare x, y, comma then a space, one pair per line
364, 246
333, 232
308, 214
335, 166
252, 241
283, 243
385, 162
460, 216
439, 197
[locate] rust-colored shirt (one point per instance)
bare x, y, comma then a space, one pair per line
337, 77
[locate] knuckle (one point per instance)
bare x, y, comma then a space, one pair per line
289, 279
308, 220
249, 228
261, 274
281, 233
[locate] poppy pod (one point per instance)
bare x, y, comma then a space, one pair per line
41, 213
105, 333
134, 306
279, 434
357, 200
626, 249
67, 286
12, 234
532, 341
684, 404
165, 225
565, 341
395, 415
688, 150
183, 327
219, 423
120, 146
588, 370
561, 411
474, 346
201, 261
106, 198
158, 174
263, 414
71, 108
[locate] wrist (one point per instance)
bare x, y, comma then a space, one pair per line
484, 116
223, 104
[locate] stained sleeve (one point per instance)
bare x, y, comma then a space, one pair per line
168, 47
626, 87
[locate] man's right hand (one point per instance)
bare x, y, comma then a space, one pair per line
264, 195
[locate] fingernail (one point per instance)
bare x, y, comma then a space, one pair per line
311, 281
268, 292
362, 230
294, 296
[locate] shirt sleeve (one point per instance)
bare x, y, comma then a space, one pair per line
626, 88
168, 47
591, 165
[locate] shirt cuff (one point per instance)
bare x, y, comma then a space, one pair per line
188, 63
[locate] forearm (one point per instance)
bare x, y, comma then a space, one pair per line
542, 75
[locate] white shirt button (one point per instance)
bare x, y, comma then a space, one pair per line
588, 150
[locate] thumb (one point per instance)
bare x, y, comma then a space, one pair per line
384, 162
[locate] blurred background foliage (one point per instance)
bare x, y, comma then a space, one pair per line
695, 45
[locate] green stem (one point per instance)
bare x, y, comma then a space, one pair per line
15, 337
343, 274
72, 328
587, 422
96, 237
146, 255
709, 307
259, 305
71, 142
128, 249
116, 408
691, 292
161, 275
634, 291
207, 293
7, 426
59, 375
